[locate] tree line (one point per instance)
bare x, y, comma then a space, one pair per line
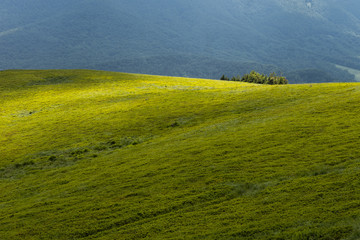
255, 77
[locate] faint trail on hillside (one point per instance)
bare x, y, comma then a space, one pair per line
353, 71
20, 28
10, 31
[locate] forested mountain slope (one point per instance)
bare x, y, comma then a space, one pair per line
298, 38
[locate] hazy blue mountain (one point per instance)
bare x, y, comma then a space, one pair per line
304, 39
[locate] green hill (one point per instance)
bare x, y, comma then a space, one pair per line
103, 155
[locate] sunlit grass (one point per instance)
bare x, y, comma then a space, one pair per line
91, 154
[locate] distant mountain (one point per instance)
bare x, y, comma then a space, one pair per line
184, 37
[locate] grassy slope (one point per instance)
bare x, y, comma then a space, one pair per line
101, 155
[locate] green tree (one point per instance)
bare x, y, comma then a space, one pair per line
223, 77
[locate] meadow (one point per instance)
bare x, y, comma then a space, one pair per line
104, 155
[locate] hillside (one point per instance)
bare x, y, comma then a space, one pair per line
105, 155
192, 38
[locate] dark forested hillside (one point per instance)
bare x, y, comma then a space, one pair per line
184, 38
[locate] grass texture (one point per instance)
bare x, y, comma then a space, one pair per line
102, 155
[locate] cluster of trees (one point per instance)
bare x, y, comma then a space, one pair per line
255, 77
